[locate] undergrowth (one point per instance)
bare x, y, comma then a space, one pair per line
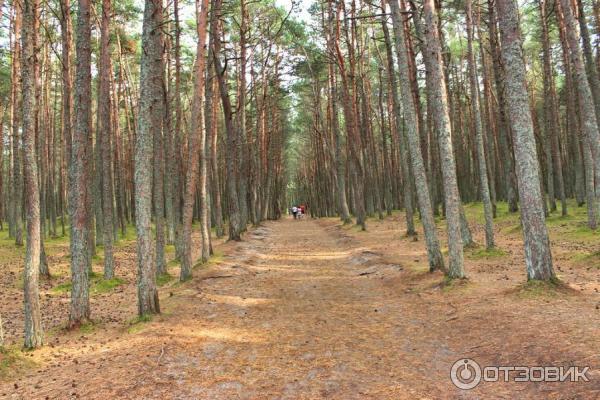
98, 285
13, 360
535, 289
136, 324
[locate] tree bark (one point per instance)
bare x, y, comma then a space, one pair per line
435, 73
587, 107
177, 189
17, 162
403, 147
235, 219
34, 336
79, 184
212, 128
510, 185
353, 138
343, 209
105, 132
538, 258
434, 253
195, 140
552, 125
476, 110
150, 120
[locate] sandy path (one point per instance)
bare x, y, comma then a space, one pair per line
299, 310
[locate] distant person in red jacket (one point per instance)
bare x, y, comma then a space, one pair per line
302, 209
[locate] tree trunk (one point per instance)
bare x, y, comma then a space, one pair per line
434, 253
177, 189
79, 184
551, 113
158, 167
587, 107
206, 249
404, 156
510, 186
212, 128
105, 132
235, 219
353, 137
538, 258
343, 209
435, 73
150, 120
476, 110
33, 319
17, 176
195, 139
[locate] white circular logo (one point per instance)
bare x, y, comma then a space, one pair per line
465, 374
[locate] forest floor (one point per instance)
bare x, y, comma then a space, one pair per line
312, 309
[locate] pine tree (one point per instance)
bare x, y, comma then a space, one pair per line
441, 116
434, 253
34, 336
538, 258
105, 132
149, 122
79, 179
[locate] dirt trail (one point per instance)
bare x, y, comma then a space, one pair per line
306, 310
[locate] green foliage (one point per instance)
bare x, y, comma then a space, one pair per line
87, 328
216, 258
98, 285
586, 259
12, 361
533, 289
163, 279
136, 324
62, 288
483, 253
455, 285
129, 236
104, 286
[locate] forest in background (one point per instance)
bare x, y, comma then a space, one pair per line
227, 113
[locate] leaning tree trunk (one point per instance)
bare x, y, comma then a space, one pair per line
235, 218
502, 117
551, 114
33, 319
436, 261
150, 120
404, 156
441, 115
589, 124
476, 110
590, 64
538, 258
194, 144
